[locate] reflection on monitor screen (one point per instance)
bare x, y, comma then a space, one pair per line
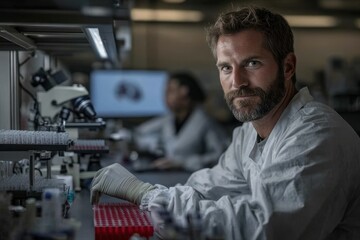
128, 93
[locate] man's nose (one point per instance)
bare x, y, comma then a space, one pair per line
239, 79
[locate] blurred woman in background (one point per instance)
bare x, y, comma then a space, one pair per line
187, 138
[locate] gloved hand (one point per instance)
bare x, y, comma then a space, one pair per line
116, 181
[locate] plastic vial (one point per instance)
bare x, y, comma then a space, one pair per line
51, 209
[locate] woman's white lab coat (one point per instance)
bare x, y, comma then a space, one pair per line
302, 182
198, 144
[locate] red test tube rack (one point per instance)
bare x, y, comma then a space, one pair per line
120, 221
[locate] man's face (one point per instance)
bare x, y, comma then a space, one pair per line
252, 81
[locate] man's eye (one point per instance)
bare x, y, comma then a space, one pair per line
253, 63
225, 69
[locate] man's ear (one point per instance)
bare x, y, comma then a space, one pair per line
289, 66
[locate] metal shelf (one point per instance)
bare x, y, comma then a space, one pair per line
33, 147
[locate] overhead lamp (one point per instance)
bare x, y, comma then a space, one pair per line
311, 21
95, 38
166, 15
96, 11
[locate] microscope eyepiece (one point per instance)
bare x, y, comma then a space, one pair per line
47, 79
83, 105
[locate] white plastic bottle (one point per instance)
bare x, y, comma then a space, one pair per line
51, 209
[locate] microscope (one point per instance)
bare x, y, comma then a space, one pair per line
55, 105
57, 97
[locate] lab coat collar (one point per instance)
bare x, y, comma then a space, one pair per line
298, 101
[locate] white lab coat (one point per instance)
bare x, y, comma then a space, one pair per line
302, 182
198, 144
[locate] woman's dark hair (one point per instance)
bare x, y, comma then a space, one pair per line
196, 93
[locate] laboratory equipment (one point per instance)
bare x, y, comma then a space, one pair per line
26, 181
121, 221
55, 106
54, 100
40, 146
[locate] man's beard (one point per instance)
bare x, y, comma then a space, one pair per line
268, 100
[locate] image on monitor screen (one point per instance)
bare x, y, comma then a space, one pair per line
128, 93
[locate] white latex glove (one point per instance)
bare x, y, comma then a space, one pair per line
116, 181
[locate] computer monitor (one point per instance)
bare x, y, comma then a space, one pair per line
128, 93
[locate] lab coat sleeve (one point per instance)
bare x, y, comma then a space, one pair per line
300, 195
204, 184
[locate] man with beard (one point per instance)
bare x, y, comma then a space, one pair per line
292, 169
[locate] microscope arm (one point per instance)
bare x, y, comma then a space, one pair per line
53, 100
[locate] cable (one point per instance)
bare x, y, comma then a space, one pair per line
37, 116
39, 170
25, 90
31, 55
